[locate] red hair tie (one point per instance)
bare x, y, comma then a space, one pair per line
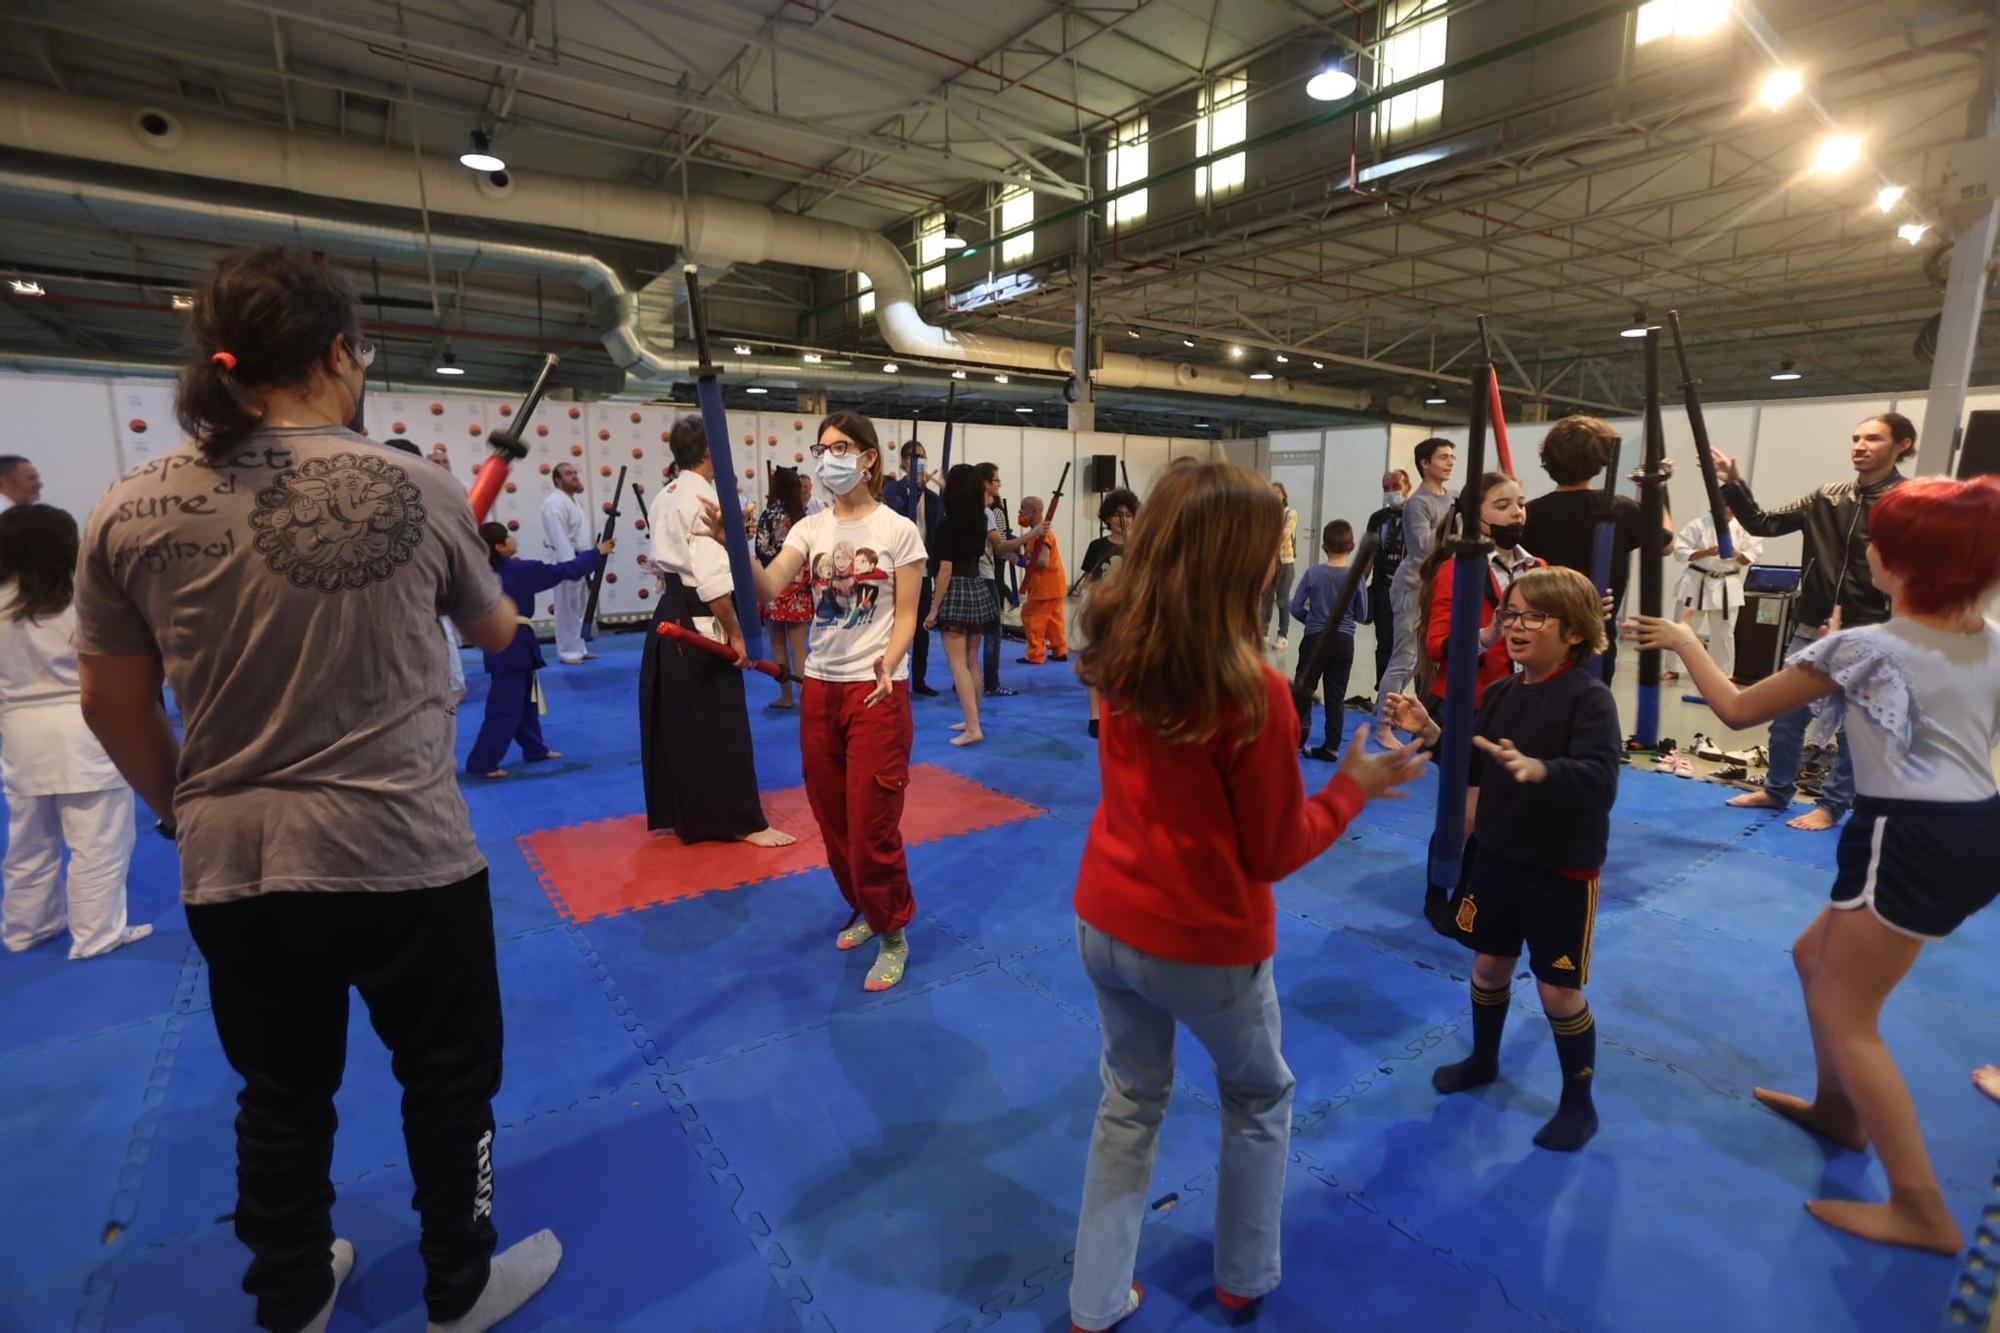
227, 360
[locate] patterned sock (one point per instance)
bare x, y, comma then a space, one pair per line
1489, 1017
1575, 1119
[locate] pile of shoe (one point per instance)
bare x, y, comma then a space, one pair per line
1736, 763
1672, 760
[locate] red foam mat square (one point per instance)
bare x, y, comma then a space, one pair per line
614, 865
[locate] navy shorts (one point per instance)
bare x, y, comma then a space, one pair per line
1506, 904
1921, 866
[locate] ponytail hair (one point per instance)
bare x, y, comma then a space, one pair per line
264, 319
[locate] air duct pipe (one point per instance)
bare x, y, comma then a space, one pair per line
709, 229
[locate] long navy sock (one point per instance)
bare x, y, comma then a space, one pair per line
1489, 1016
1575, 1119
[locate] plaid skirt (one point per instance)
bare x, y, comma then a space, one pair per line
970, 606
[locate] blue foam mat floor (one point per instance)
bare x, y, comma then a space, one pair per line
729, 1134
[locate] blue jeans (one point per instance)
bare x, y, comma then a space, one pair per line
1788, 743
1233, 1012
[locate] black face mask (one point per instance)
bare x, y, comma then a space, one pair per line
1507, 536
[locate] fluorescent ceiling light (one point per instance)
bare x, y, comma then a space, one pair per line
999, 379
958, 374
1235, 353
1435, 397
1283, 360
756, 389
1319, 365
1024, 409
812, 358
1262, 375
742, 349
1784, 372
1639, 327
1187, 342
181, 302
26, 287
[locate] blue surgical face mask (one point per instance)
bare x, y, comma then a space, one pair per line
839, 473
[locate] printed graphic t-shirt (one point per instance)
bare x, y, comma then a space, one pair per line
853, 569
292, 594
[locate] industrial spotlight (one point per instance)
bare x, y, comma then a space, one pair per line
1780, 86
999, 379
1335, 78
180, 301
1784, 373
812, 358
1888, 197
1235, 353
1319, 365
1187, 342
1434, 397
756, 389
1024, 410
26, 287
1282, 359
482, 157
1262, 375
1912, 232
890, 367
1836, 154
1638, 327
958, 374
448, 365
952, 240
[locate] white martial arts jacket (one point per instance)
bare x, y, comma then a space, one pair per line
565, 527
45, 748
1712, 583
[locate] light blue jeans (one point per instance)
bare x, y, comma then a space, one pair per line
1788, 744
1233, 1012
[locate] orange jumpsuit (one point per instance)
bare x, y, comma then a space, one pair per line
1043, 592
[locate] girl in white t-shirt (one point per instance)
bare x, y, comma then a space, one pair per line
61, 787
866, 563
1920, 698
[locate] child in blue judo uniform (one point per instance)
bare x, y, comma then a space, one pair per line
513, 700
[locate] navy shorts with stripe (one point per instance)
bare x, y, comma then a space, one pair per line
1509, 903
1922, 867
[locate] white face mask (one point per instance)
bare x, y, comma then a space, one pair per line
838, 473
1392, 499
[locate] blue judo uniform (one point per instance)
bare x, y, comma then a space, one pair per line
511, 714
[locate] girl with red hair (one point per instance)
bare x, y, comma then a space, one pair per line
1920, 698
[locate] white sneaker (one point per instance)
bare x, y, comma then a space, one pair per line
1283, 643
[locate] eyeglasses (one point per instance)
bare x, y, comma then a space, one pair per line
838, 448
1525, 619
364, 352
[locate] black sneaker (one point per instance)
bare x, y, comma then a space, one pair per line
1058, 657
1093, 728
1324, 755
923, 689
1001, 692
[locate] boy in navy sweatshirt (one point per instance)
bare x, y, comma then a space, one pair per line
1544, 774
1312, 607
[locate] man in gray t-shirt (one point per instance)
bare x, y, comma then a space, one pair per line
292, 597
1422, 513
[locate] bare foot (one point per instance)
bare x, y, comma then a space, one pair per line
1816, 820
1838, 1123
1385, 737
782, 701
1916, 1218
548, 755
496, 773
1757, 800
768, 837
958, 726
1987, 1080
968, 738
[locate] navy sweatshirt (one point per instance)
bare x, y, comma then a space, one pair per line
1570, 723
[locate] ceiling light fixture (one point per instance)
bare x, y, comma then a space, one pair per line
952, 239
1335, 78
1235, 353
1187, 342
1912, 232
742, 349
1888, 197
1836, 154
448, 365
1779, 87
1319, 365
1638, 328
1283, 360
26, 287
482, 157
181, 302
1262, 375
1784, 372
999, 379
812, 358
756, 389
890, 367
1434, 397
1131, 333
1024, 409
958, 374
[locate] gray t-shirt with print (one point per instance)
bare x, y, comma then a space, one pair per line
292, 594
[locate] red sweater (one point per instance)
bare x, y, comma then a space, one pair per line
1494, 664
1188, 838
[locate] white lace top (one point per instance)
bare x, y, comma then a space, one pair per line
1921, 707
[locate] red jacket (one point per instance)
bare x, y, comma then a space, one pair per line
1188, 838
1494, 663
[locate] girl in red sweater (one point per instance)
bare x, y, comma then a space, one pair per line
1203, 807
1503, 514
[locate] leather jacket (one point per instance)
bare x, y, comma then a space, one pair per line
1834, 519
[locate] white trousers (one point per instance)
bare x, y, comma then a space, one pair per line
1717, 632
98, 827
454, 664
570, 598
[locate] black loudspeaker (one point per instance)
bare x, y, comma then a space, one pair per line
1102, 475
1979, 451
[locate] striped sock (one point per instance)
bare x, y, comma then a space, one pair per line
1489, 1017
1575, 1119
